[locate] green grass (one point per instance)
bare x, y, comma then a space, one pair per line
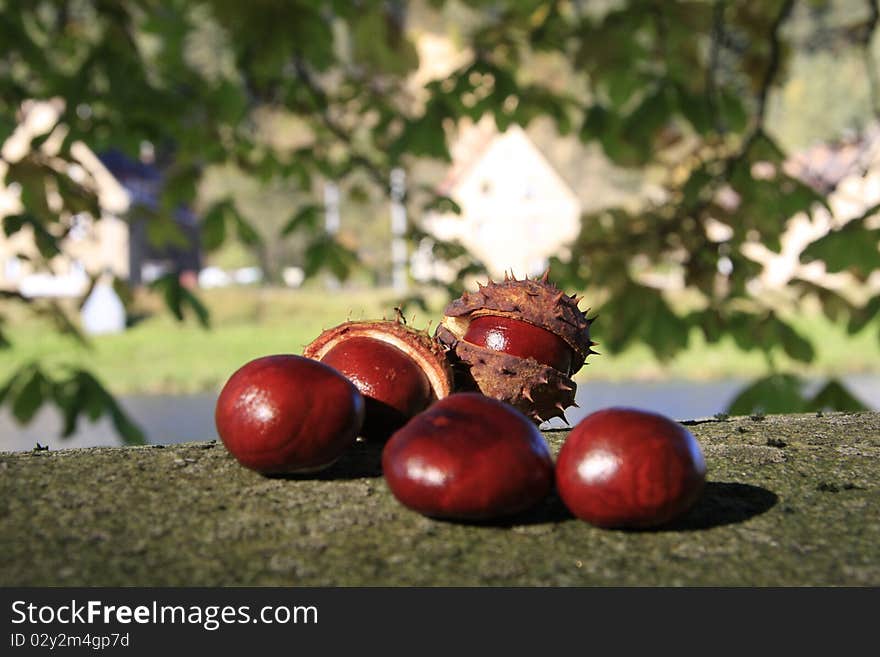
160, 355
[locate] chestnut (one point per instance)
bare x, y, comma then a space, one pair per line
286, 414
629, 468
468, 457
521, 339
399, 370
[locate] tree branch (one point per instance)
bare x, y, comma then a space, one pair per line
322, 104
714, 58
870, 62
770, 72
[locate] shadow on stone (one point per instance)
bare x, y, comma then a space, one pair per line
549, 510
364, 459
724, 503
552, 509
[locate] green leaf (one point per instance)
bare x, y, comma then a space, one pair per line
732, 111
767, 204
171, 291
246, 232
180, 187
834, 396
229, 101
863, 316
83, 393
378, 45
795, 345
30, 396
767, 332
764, 149
697, 187
63, 323
124, 291
442, 204
597, 121
214, 226
640, 314
11, 383
93, 404
197, 307
650, 115
308, 216
621, 84
164, 231
424, 135
13, 223
777, 393
47, 244
178, 298
326, 253
695, 108
71, 397
853, 247
534, 102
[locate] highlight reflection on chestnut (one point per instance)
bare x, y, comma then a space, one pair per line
468, 457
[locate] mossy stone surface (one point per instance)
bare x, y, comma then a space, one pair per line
791, 500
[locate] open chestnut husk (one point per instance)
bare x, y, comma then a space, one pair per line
399, 370
468, 457
519, 341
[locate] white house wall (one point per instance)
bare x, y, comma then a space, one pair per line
516, 211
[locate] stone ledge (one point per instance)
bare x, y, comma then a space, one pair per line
791, 500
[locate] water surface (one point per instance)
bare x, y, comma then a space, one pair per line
170, 419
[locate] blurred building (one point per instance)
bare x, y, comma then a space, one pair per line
516, 210
90, 246
116, 243
146, 261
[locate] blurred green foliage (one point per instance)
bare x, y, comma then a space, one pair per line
681, 87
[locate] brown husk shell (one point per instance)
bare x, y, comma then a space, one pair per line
535, 389
536, 301
418, 344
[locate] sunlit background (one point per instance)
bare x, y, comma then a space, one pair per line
265, 251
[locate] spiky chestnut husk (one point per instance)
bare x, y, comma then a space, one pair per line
400, 370
537, 389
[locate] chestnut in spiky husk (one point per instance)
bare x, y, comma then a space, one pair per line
519, 341
399, 370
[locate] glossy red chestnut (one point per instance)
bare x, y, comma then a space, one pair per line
468, 457
286, 414
624, 467
394, 386
521, 339
398, 369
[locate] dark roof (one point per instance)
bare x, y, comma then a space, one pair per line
125, 168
